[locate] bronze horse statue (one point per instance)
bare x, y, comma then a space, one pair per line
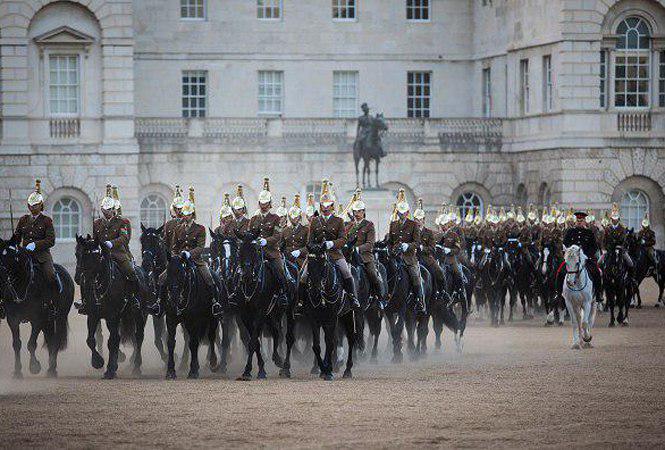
368, 145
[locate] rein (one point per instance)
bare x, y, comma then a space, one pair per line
329, 289
12, 279
580, 270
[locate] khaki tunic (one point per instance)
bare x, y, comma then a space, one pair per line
405, 232
332, 229
38, 230
189, 237
267, 227
117, 230
295, 238
365, 236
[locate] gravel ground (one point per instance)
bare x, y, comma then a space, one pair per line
517, 386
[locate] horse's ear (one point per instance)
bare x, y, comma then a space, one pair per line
142, 228
565, 249
78, 238
212, 233
88, 236
160, 229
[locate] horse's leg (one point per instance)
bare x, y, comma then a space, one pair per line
316, 348
252, 344
587, 319
610, 304
14, 326
376, 174
171, 327
374, 325
113, 326
184, 360
273, 324
99, 338
212, 338
290, 339
437, 325
139, 334
261, 365
410, 325
573, 318
329, 330
423, 331
227, 331
158, 324
194, 340
35, 366
97, 361
350, 339
397, 338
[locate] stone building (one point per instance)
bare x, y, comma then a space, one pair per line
487, 101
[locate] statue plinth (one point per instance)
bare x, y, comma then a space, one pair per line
379, 209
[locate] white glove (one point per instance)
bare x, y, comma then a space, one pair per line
330, 244
109, 244
487, 251
446, 250
295, 253
30, 247
263, 242
227, 249
405, 246
186, 254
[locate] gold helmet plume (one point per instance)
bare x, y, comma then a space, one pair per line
116, 200
226, 207
239, 200
36, 197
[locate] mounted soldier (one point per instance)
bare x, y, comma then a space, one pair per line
295, 236
226, 219
310, 209
36, 235
361, 234
427, 247
239, 208
328, 229
404, 238
581, 234
267, 228
647, 237
615, 236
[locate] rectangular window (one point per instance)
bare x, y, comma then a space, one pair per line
661, 80
64, 85
192, 9
269, 9
418, 94
344, 9
603, 79
524, 86
270, 92
194, 93
547, 83
417, 10
345, 94
631, 79
487, 92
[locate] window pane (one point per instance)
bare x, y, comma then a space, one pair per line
270, 92
194, 93
66, 218
418, 94
192, 9
64, 86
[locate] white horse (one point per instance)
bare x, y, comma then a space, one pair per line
578, 294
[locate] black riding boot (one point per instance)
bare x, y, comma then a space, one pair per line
350, 287
420, 299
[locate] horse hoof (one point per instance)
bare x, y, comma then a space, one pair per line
214, 368
328, 377
244, 377
121, 356
575, 347
18, 375
314, 371
170, 375
137, 372
611, 325
52, 373
278, 361
108, 375
397, 359
193, 375
587, 345
285, 373
657, 305
624, 323
97, 361
35, 367
261, 375
347, 374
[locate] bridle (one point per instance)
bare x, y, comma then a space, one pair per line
579, 270
12, 279
328, 288
257, 274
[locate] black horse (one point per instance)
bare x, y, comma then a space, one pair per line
643, 267
327, 307
26, 298
493, 276
257, 298
107, 292
549, 261
521, 279
616, 283
188, 302
153, 261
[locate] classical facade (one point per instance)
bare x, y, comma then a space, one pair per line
487, 101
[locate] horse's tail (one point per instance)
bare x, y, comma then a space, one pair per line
61, 324
127, 327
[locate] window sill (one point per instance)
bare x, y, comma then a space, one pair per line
418, 21
269, 20
345, 20
193, 19
269, 115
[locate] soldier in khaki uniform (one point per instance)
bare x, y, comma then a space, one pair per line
226, 219
294, 236
404, 236
427, 248
328, 229
647, 237
239, 209
35, 233
189, 239
362, 235
265, 225
615, 236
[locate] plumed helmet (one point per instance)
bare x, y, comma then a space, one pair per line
36, 197
178, 201
645, 221
419, 213
116, 199
327, 198
616, 214
239, 200
265, 196
310, 210
402, 206
107, 202
295, 211
189, 208
282, 211
226, 207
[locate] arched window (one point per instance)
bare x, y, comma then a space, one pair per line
632, 61
634, 205
521, 197
154, 210
67, 218
544, 195
469, 200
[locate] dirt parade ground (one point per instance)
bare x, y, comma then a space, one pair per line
518, 385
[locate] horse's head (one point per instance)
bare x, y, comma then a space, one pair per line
249, 253
151, 238
89, 254
11, 255
574, 258
380, 123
